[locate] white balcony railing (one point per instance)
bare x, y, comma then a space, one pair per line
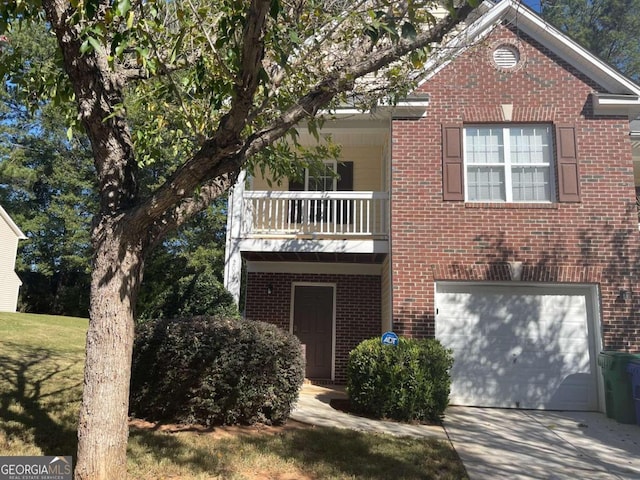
316, 214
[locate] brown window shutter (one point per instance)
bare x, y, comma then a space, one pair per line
452, 166
567, 160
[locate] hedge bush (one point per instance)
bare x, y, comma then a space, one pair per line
407, 382
214, 371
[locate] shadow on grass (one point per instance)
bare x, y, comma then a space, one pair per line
156, 448
334, 452
316, 452
33, 383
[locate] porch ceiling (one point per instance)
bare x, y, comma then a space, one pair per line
323, 257
355, 130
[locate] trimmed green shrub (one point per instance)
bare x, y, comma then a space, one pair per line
215, 371
407, 382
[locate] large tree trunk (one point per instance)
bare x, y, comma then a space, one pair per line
103, 428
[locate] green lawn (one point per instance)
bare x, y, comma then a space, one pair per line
41, 360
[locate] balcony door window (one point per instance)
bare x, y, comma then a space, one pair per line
336, 176
323, 180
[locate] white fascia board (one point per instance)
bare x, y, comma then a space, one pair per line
344, 112
5, 216
489, 15
314, 246
570, 51
612, 104
527, 21
412, 106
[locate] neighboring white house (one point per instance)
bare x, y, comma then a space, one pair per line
9, 281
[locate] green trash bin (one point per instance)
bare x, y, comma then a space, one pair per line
618, 397
633, 368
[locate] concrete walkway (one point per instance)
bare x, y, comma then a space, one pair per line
534, 444
313, 407
506, 444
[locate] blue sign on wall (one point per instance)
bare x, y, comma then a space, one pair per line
389, 338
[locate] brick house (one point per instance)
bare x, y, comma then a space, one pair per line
494, 209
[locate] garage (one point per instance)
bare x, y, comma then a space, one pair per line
522, 346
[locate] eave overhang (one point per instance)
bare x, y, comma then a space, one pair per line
615, 104
525, 20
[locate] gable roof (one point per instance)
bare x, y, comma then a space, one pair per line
619, 95
5, 216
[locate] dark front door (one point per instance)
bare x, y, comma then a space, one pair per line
313, 325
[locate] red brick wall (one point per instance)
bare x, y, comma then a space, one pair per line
357, 307
594, 241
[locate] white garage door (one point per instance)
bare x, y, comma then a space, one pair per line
519, 346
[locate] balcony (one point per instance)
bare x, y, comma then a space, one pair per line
315, 215
292, 229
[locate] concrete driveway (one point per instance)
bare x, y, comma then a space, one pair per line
531, 444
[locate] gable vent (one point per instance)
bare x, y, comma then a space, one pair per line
506, 57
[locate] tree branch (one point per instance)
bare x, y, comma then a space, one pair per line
324, 92
221, 158
252, 55
98, 90
191, 206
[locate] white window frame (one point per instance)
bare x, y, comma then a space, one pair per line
333, 165
507, 164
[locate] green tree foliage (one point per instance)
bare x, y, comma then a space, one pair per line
48, 184
184, 277
608, 28
176, 98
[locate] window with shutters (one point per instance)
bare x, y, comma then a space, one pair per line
508, 163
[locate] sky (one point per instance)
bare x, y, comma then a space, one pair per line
534, 4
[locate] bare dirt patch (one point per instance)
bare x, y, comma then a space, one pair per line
223, 431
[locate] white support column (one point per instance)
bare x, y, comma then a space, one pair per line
232, 256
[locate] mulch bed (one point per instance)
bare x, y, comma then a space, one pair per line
341, 404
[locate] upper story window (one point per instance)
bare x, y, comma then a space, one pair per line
511, 163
